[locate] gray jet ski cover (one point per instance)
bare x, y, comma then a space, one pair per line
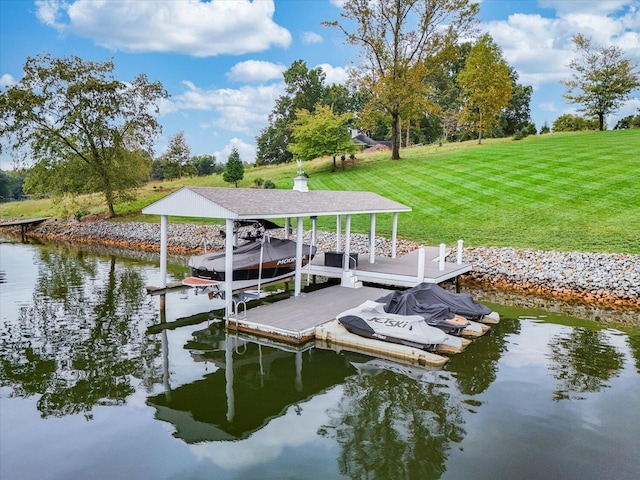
434, 303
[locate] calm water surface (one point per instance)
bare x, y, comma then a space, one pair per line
92, 388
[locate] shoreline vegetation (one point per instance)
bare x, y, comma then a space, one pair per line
596, 278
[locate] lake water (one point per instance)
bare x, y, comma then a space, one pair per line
92, 388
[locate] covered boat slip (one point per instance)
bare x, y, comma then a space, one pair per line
233, 204
296, 319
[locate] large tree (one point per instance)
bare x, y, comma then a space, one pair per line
86, 130
486, 86
398, 38
321, 133
602, 79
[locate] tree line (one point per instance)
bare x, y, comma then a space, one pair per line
85, 131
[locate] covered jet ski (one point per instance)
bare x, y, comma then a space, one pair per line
258, 260
435, 304
370, 320
437, 315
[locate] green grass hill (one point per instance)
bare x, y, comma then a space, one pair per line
571, 191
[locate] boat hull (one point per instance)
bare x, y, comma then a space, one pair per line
253, 262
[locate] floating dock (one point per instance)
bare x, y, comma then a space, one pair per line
312, 316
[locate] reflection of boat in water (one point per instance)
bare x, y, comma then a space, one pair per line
373, 366
370, 320
259, 260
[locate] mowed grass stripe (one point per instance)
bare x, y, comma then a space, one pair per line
555, 191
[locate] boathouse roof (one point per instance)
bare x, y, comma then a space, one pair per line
249, 203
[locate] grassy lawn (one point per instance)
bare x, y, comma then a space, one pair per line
574, 191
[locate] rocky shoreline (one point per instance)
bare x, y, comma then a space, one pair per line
612, 279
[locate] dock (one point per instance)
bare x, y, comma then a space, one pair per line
312, 317
406, 271
296, 318
23, 223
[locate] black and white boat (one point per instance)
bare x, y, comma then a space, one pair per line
370, 320
259, 260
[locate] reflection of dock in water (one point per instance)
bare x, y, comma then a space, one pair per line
253, 384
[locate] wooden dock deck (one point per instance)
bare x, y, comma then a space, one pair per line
296, 318
23, 223
401, 271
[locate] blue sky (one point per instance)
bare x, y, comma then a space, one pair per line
222, 61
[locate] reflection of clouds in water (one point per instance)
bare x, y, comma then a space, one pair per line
298, 426
531, 345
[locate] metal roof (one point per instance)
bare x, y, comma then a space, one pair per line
247, 203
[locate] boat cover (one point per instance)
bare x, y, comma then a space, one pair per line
274, 250
370, 320
434, 303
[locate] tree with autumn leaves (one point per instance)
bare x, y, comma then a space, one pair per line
399, 39
486, 86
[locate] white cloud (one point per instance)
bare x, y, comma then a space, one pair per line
190, 27
311, 37
255, 71
245, 109
246, 151
548, 107
540, 48
334, 75
7, 80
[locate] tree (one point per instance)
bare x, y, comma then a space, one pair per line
486, 86
516, 116
177, 157
574, 123
304, 89
234, 170
398, 38
628, 122
77, 119
321, 133
602, 79
204, 164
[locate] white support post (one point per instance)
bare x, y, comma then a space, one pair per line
394, 235
338, 232
459, 256
287, 228
347, 243
164, 227
441, 257
228, 268
298, 276
421, 255
372, 238
314, 230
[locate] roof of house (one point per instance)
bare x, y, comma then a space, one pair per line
248, 203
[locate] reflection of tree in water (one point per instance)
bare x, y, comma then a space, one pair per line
82, 339
476, 368
634, 346
582, 362
391, 426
